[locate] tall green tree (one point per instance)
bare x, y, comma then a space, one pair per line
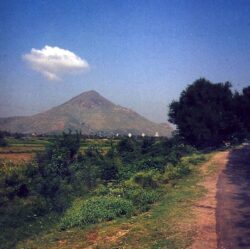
204, 114
2, 139
242, 108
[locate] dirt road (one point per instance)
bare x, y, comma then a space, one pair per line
223, 214
205, 208
233, 202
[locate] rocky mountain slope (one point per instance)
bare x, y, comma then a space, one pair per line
89, 112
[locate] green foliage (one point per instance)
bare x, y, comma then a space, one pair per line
101, 190
127, 170
242, 109
128, 149
95, 210
93, 153
178, 151
70, 142
147, 163
147, 144
13, 182
175, 172
3, 141
144, 198
126, 180
85, 175
146, 179
140, 197
204, 114
194, 159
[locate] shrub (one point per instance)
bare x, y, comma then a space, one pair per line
3, 141
146, 179
109, 171
127, 171
13, 182
151, 163
141, 198
128, 149
195, 159
95, 210
178, 151
176, 172
101, 190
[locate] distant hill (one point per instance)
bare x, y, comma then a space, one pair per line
89, 112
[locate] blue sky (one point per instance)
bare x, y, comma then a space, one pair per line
140, 53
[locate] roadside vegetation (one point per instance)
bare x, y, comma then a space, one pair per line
69, 189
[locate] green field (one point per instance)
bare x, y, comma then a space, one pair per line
165, 225
33, 145
98, 192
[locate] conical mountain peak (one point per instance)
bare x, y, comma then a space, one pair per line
89, 99
87, 95
89, 112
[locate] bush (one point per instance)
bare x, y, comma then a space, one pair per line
141, 198
13, 182
95, 210
127, 171
152, 163
109, 170
101, 190
3, 141
146, 179
129, 149
176, 172
178, 151
194, 159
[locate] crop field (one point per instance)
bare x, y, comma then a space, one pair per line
102, 144
24, 149
16, 157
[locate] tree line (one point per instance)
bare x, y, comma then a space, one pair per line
211, 114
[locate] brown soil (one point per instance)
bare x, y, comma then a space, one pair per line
223, 214
233, 197
205, 208
95, 239
17, 157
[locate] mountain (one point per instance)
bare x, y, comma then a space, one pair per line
89, 112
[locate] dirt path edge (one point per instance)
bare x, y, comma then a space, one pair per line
205, 208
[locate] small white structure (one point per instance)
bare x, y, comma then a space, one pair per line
157, 134
143, 134
117, 134
129, 135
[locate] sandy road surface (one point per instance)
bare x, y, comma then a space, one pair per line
233, 202
223, 214
205, 208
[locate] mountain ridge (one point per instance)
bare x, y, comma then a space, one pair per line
89, 112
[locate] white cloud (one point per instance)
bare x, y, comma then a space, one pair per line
54, 62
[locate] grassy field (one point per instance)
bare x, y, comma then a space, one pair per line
23, 149
103, 144
147, 203
166, 225
23, 145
